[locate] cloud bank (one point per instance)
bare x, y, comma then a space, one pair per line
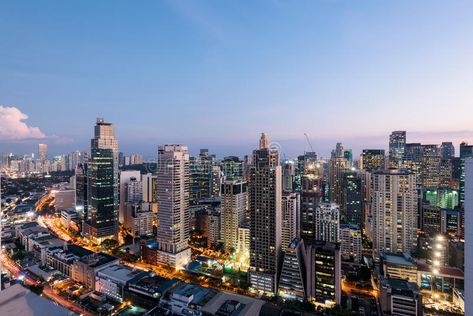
13, 127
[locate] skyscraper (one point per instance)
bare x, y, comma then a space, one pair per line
338, 165
290, 218
352, 207
234, 194
327, 222
311, 179
466, 151
372, 159
447, 150
394, 211
232, 168
173, 205
468, 232
288, 175
397, 141
203, 174
293, 280
101, 216
265, 214
431, 160
42, 152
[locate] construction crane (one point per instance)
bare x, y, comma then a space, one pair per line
308, 141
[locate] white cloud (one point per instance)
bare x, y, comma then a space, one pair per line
13, 127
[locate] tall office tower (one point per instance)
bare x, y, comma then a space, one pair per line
466, 151
311, 195
232, 168
397, 142
430, 166
327, 222
372, 159
290, 218
293, 279
468, 232
81, 189
101, 218
324, 273
233, 209
348, 155
288, 175
339, 151
247, 165
447, 150
265, 214
173, 205
125, 177
43, 152
394, 211
352, 206
337, 168
204, 173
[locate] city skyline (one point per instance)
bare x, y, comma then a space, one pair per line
326, 65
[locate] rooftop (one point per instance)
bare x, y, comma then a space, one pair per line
399, 259
121, 272
251, 306
16, 300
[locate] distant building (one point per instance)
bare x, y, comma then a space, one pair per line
397, 143
232, 168
372, 159
447, 150
352, 201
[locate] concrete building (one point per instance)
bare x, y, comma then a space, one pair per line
324, 273
351, 242
399, 266
372, 159
337, 168
233, 209
113, 279
401, 298
293, 279
394, 211
290, 218
85, 269
265, 213
173, 201
327, 222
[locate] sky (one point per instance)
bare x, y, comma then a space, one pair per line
215, 74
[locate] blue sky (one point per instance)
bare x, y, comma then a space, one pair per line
214, 74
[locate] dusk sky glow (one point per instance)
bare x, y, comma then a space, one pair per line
216, 74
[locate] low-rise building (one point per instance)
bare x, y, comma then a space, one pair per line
62, 258
187, 299
113, 279
400, 298
85, 269
399, 266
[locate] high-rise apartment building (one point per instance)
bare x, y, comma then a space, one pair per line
290, 218
337, 168
288, 175
101, 216
351, 242
327, 222
468, 232
466, 151
232, 168
394, 211
233, 208
265, 214
397, 142
173, 205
